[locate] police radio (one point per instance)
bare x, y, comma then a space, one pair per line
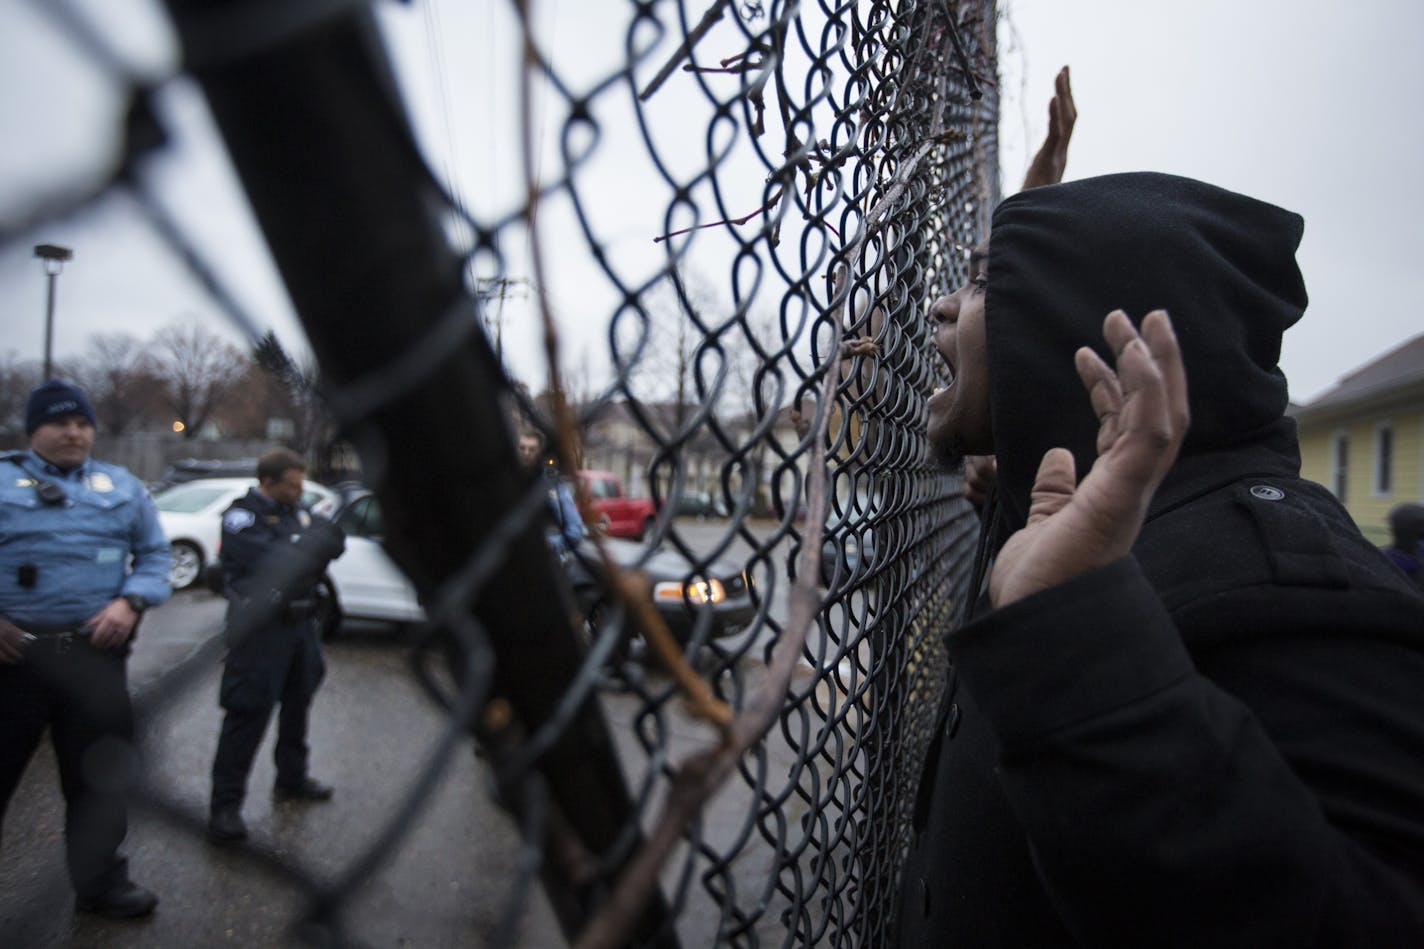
50, 493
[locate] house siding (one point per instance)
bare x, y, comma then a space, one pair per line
1369, 509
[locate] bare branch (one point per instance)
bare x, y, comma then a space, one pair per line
694, 36
770, 203
732, 66
969, 75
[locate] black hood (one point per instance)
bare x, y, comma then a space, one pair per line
1062, 257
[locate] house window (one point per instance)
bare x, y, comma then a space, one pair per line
1384, 458
1340, 466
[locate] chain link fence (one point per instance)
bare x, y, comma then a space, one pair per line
807, 179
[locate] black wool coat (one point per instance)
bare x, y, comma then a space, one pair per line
1218, 740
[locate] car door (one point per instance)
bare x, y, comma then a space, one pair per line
368, 583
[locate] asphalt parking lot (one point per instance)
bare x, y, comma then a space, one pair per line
372, 729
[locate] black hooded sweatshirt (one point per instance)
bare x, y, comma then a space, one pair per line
1218, 740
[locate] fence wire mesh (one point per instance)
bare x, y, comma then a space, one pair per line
806, 179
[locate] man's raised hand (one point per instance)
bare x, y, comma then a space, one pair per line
1142, 418
1051, 161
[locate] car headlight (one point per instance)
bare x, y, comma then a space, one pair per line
696, 592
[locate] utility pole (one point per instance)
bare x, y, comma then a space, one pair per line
53, 257
498, 288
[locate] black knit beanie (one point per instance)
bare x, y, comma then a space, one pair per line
54, 400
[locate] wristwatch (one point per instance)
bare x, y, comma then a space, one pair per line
136, 603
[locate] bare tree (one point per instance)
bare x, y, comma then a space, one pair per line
197, 367
691, 339
679, 311
17, 378
293, 394
117, 374
245, 412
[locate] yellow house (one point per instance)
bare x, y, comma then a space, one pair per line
1364, 438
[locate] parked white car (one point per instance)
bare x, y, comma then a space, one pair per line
191, 516
364, 583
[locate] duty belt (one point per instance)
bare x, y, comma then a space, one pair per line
62, 636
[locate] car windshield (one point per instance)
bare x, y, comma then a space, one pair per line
189, 498
601, 488
362, 518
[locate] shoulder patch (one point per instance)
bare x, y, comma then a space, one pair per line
238, 519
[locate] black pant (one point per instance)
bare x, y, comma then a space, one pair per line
81, 693
278, 665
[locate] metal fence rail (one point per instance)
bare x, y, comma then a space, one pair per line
844, 159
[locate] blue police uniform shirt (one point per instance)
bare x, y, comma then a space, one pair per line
566, 517
101, 542
251, 527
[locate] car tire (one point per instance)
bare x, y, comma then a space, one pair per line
187, 565
622, 651
588, 629
328, 614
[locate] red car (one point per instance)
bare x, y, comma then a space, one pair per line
608, 509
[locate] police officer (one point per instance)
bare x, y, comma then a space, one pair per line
81, 557
570, 530
273, 554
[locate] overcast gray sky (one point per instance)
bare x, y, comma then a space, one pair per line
1310, 105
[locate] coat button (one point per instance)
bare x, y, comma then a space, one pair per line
951, 722
1266, 493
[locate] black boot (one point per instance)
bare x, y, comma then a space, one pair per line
225, 826
308, 790
126, 900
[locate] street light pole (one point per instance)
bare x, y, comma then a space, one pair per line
54, 257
